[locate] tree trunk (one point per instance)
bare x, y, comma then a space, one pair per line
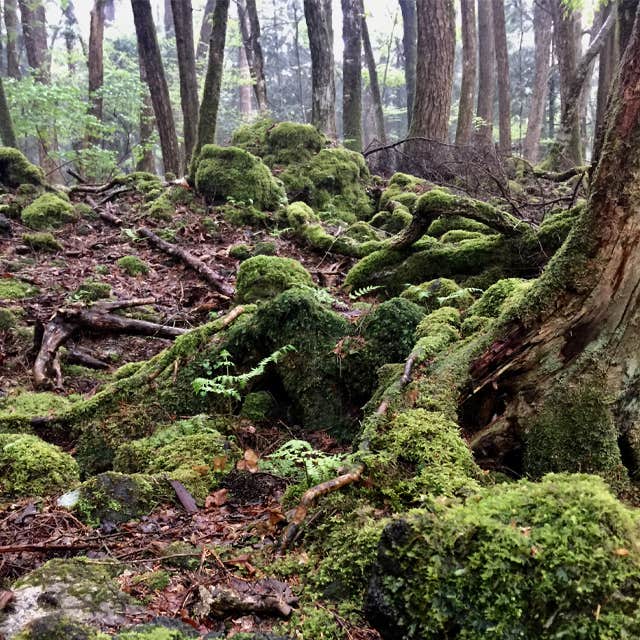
378, 112
574, 343
504, 85
352, 74
626, 16
323, 89
35, 38
244, 88
296, 46
7, 132
250, 29
11, 24
434, 72
607, 65
486, 72
169, 21
542, 34
410, 46
466, 106
205, 30
146, 161
213, 81
150, 54
183, 21
96, 63
72, 35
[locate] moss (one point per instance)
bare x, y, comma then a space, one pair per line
392, 221
361, 232
12, 289
546, 560
8, 319
404, 189
223, 173
83, 210
153, 580
495, 298
474, 324
292, 142
48, 211
41, 241
458, 235
431, 295
264, 248
263, 277
31, 467
240, 252
132, 265
182, 555
117, 497
573, 431
160, 208
457, 223
253, 137
92, 290
159, 629
556, 227
142, 181
29, 403
16, 170
299, 214
242, 214
258, 406
333, 181
57, 626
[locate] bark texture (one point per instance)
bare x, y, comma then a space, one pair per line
35, 37
7, 132
466, 105
96, 61
250, 28
504, 85
146, 161
323, 89
486, 72
156, 79
205, 29
11, 24
374, 85
352, 74
410, 46
434, 71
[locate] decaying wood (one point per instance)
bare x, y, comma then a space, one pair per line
183, 495
213, 278
84, 358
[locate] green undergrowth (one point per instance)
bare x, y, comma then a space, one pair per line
49, 211
14, 289
16, 170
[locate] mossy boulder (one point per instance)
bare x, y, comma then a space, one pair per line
264, 277
57, 626
16, 170
133, 266
298, 214
292, 142
42, 241
92, 290
495, 298
435, 293
555, 559
49, 211
223, 173
258, 406
392, 222
404, 189
31, 467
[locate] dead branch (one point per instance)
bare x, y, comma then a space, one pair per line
104, 215
84, 358
213, 278
562, 176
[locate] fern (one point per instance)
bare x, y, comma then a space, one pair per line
458, 294
365, 291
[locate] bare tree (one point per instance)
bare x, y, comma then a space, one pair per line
146, 161
469, 72
502, 68
250, 29
11, 24
410, 46
352, 74
96, 61
486, 72
7, 132
374, 85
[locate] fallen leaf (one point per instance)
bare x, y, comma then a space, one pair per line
249, 462
216, 499
622, 552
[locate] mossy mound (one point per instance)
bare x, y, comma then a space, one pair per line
392, 222
334, 182
435, 293
264, 277
555, 559
146, 183
16, 170
438, 330
14, 289
252, 137
29, 404
57, 626
133, 266
404, 189
42, 241
258, 406
31, 467
223, 173
49, 211
92, 290
495, 298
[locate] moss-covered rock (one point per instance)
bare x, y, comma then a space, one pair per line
27, 405
265, 248
240, 252
146, 183
223, 173
159, 629
441, 291
58, 626
31, 467
495, 298
545, 560
252, 137
49, 211
92, 290
264, 277
16, 170
392, 221
8, 319
292, 142
14, 289
298, 214
258, 406
133, 266
160, 208
42, 241
404, 189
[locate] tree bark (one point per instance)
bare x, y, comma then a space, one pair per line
352, 74
577, 335
626, 15
208, 114
486, 72
410, 46
250, 29
150, 54
183, 22
244, 88
466, 106
35, 38
504, 85
11, 24
96, 63
323, 89
169, 21
374, 85
7, 132
434, 71
205, 30
542, 28
146, 161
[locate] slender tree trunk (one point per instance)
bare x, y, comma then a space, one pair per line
150, 54
11, 24
244, 89
553, 99
7, 132
486, 72
466, 106
72, 35
35, 38
542, 29
96, 62
504, 85
296, 45
205, 30
250, 29
410, 46
183, 21
323, 89
626, 16
607, 65
146, 162
169, 21
213, 80
378, 112
352, 74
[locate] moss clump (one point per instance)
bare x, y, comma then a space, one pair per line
240, 252
16, 170
292, 142
142, 181
240, 214
264, 249
12, 289
258, 406
458, 235
438, 330
229, 172
253, 137
41, 241
49, 211
160, 208
92, 290
556, 227
392, 221
159, 629
31, 467
404, 189
31, 404
133, 266
299, 214
494, 299
264, 277
431, 295
361, 232
457, 223
57, 626
332, 181
8, 319
555, 559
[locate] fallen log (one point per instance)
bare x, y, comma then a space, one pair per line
213, 278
